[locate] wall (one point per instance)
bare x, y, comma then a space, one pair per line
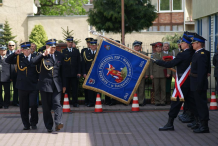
202, 8
16, 12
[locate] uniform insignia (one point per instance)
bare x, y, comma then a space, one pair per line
66, 57
47, 61
180, 51
56, 55
190, 63
65, 54
21, 66
202, 52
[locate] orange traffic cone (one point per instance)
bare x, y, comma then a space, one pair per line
182, 106
98, 106
213, 103
66, 105
135, 103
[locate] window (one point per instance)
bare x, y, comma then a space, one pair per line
1, 30
199, 26
177, 5
153, 28
90, 2
164, 5
0, 2
165, 28
154, 3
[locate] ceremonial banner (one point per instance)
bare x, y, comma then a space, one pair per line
116, 72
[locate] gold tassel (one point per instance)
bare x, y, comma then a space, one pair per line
69, 59
173, 99
84, 54
51, 68
18, 65
182, 99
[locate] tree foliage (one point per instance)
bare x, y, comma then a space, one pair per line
66, 33
7, 34
172, 40
61, 7
38, 36
106, 15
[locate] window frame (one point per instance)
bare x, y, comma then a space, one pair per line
165, 10
178, 10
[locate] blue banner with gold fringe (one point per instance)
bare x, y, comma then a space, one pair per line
115, 72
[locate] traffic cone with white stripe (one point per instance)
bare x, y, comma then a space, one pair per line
98, 106
135, 103
213, 103
182, 106
66, 105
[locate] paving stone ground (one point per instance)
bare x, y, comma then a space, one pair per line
117, 126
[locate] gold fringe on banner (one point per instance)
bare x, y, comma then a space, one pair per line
110, 95
173, 98
181, 99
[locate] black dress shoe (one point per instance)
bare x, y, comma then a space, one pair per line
107, 103
76, 105
90, 105
59, 126
49, 130
169, 126
86, 104
157, 104
0, 106
162, 104
112, 104
6, 107
34, 127
26, 128
203, 128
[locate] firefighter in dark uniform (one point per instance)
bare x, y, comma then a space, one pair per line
4, 78
27, 79
182, 62
72, 70
88, 57
51, 83
199, 82
82, 51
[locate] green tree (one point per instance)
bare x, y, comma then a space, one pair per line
66, 33
38, 36
106, 15
7, 34
172, 40
61, 7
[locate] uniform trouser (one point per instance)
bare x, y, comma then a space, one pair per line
109, 100
176, 105
160, 90
72, 82
201, 104
6, 101
28, 99
168, 89
91, 96
141, 91
15, 95
51, 101
86, 96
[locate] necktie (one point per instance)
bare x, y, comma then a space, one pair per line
27, 59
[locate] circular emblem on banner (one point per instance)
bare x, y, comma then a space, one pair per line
115, 71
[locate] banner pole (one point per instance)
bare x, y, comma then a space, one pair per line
140, 54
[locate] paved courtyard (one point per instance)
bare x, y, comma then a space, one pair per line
117, 126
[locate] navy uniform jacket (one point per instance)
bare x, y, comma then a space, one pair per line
209, 67
88, 57
199, 66
27, 75
4, 71
72, 64
51, 72
215, 63
182, 62
82, 51
13, 73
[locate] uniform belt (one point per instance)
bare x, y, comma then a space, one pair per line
193, 75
